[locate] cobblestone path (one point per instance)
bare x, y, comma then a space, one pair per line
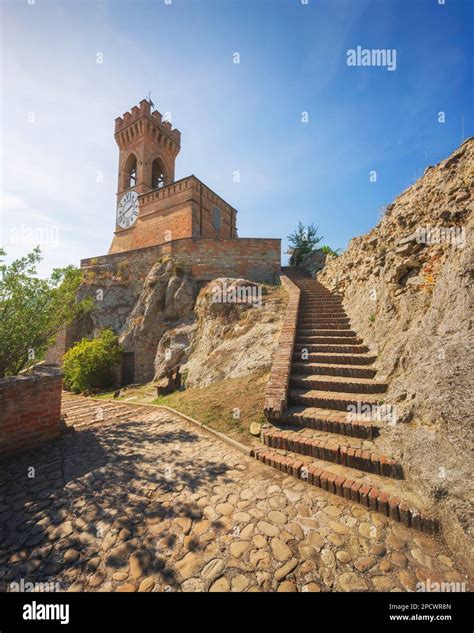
136, 499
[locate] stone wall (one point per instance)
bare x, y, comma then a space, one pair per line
30, 408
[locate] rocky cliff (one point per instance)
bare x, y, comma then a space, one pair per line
406, 286
226, 329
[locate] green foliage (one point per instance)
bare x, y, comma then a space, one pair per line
329, 251
89, 365
32, 310
372, 318
302, 241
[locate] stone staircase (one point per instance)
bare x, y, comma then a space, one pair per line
334, 413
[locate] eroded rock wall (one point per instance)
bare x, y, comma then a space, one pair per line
411, 301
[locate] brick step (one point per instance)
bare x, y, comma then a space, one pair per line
323, 325
320, 369
331, 399
329, 450
335, 340
331, 421
319, 332
323, 315
331, 349
324, 305
320, 299
376, 493
337, 383
310, 310
314, 318
338, 359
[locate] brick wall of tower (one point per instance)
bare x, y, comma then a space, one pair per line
183, 209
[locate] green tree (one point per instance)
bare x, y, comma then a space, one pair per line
90, 364
33, 309
302, 241
329, 251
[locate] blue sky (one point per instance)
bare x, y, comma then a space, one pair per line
58, 108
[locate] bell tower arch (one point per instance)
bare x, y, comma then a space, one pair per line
148, 147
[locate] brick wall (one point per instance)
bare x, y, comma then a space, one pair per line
276, 392
30, 408
203, 258
182, 209
249, 258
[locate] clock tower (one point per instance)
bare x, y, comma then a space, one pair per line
148, 147
152, 207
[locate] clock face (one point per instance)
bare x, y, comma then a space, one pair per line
127, 210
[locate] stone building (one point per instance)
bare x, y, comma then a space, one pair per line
157, 219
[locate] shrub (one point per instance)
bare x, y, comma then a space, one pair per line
89, 365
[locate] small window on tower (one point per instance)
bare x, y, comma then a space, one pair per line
130, 172
133, 175
157, 175
216, 219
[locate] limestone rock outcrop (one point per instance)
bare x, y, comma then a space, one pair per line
234, 338
166, 301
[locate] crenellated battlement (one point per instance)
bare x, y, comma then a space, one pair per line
139, 120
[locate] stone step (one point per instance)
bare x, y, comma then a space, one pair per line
331, 349
337, 359
331, 421
333, 400
337, 383
371, 491
321, 369
331, 450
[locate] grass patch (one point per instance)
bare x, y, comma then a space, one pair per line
229, 406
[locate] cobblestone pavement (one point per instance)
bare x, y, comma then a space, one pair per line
140, 500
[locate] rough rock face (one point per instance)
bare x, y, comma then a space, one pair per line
226, 339
314, 262
166, 300
407, 292
234, 339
